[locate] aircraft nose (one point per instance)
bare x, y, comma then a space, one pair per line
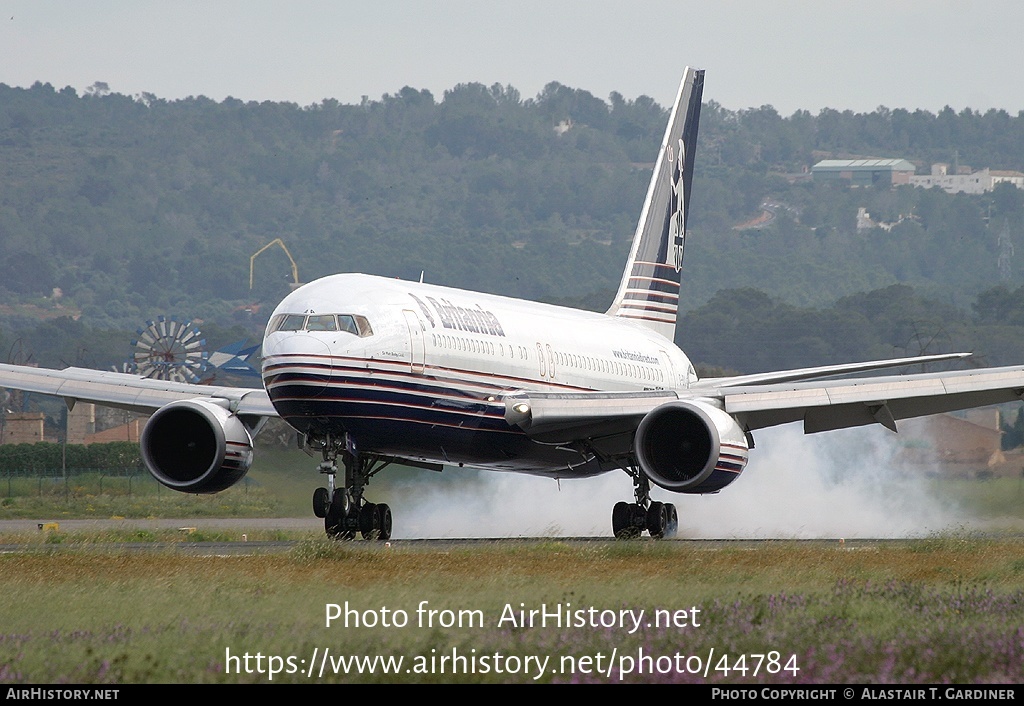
296, 365
294, 344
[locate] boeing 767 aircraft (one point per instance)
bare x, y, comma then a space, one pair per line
372, 371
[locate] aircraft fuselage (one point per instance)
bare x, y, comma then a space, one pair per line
419, 371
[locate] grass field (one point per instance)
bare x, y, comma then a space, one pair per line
280, 484
941, 609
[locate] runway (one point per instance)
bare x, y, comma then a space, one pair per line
199, 523
241, 547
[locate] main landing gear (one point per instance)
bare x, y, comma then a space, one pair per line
345, 511
629, 520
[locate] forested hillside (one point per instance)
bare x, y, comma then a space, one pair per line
134, 206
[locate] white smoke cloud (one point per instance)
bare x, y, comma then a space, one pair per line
838, 484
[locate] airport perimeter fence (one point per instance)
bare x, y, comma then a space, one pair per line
84, 482
71, 470
57, 470
78, 482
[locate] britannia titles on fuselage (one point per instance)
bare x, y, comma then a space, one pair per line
473, 320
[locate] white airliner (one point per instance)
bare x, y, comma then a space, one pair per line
373, 371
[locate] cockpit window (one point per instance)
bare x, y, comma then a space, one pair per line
287, 322
322, 322
364, 326
349, 323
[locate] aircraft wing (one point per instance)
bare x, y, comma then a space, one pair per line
574, 416
824, 371
885, 399
131, 392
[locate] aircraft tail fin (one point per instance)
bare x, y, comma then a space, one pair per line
649, 291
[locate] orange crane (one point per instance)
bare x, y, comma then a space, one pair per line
275, 241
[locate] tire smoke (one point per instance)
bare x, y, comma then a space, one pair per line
847, 483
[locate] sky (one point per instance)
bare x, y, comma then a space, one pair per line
792, 54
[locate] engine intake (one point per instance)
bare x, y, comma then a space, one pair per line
196, 446
690, 447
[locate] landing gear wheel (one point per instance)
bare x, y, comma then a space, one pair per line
629, 520
349, 513
321, 502
369, 521
385, 522
672, 527
657, 519
335, 523
623, 525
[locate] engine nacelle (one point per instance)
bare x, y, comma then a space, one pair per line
196, 446
690, 447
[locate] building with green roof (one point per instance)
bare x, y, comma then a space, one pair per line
864, 172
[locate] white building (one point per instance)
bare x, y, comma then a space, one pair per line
977, 182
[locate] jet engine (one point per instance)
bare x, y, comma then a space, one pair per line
690, 447
196, 446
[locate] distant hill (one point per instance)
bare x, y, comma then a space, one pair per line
138, 206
